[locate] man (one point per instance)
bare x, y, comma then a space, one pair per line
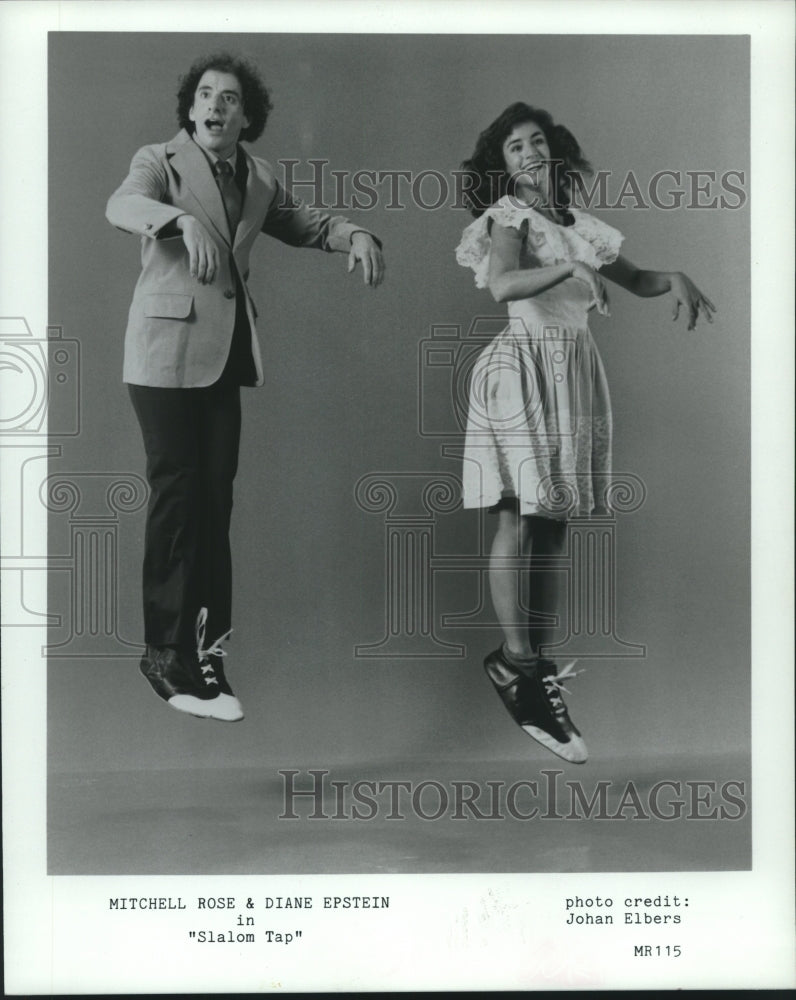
198, 203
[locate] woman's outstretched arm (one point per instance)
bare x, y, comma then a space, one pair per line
507, 281
648, 284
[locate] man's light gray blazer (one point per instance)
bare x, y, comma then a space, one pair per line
179, 331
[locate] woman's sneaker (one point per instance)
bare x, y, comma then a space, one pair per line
532, 696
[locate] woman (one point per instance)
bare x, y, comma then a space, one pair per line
538, 446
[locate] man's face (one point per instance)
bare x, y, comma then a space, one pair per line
217, 112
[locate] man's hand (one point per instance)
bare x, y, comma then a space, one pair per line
366, 250
202, 251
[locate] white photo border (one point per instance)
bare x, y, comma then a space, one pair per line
46, 954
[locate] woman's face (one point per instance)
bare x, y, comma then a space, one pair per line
527, 156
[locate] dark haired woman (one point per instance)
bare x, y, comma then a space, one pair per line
538, 446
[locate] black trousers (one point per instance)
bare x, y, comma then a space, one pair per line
191, 438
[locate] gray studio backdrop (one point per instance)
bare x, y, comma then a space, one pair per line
342, 402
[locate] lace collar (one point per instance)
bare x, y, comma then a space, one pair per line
589, 240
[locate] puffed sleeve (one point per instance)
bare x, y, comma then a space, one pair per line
476, 242
604, 240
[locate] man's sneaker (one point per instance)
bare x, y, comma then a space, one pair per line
223, 705
173, 676
533, 697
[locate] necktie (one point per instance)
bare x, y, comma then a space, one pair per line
233, 202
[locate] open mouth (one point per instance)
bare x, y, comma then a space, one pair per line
213, 125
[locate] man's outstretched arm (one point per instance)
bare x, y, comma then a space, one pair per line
292, 221
136, 206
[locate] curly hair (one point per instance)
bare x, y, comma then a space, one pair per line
256, 99
488, 169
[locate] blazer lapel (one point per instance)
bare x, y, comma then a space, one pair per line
255, 203
191, 164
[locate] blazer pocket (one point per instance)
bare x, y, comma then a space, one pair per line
167, 305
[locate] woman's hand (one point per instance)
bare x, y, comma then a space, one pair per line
599, 293
685, 293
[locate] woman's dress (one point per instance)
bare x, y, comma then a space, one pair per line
539, 418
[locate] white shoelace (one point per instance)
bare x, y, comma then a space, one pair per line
556, 680
214, 649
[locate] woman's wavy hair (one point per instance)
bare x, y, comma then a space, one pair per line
487, 168
256, 99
